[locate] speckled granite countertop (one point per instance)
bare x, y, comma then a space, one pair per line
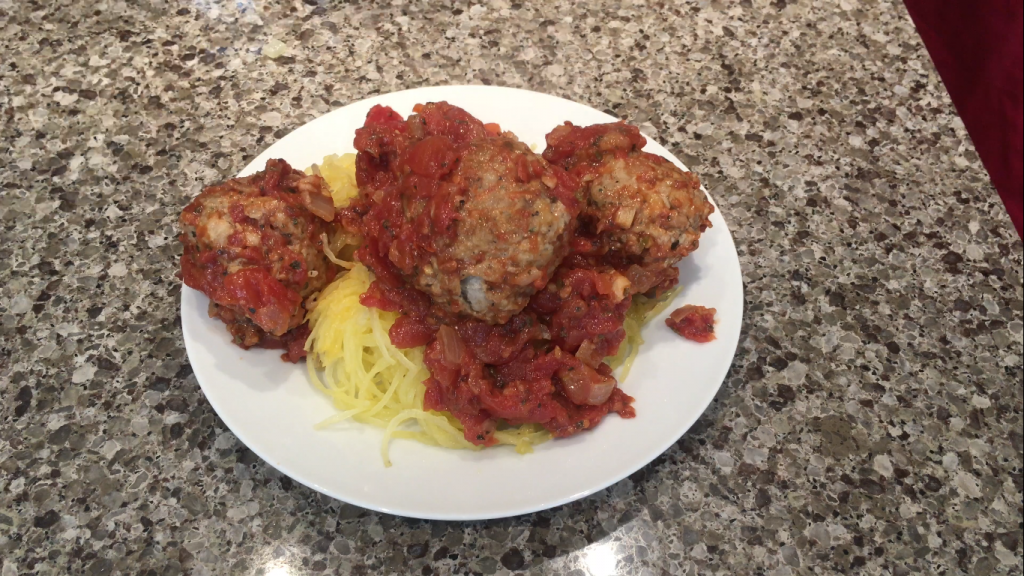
872, 418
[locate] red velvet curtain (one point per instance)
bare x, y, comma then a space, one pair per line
977, 49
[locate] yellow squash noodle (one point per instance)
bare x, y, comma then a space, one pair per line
640, 312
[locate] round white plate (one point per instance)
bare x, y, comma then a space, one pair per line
271, 406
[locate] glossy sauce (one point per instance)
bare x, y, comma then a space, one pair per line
545, 364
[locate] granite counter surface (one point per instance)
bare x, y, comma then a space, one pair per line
871, 422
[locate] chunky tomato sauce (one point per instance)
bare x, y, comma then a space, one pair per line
585, 153
252, 273
545, 365
581, 149
695, 323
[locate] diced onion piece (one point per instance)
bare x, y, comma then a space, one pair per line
601, 391
624, 216
583, 385
452, 347
587, 354
619, 286
613, 284
322, 206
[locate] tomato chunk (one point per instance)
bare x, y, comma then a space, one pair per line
695, 323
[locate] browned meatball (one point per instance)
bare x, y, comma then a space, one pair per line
512, 232
253, 245
646, 207
642, 208
455, 208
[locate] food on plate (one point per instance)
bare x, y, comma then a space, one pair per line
641, 312
640, 210
422, 194
372, 381
695, 323
485, 294
254, 246
467, 216
340, 174
479, 246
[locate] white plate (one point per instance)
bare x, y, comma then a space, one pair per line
271, 406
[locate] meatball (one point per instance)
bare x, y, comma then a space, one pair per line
512, 233
641, 208
254, 246
460, 211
